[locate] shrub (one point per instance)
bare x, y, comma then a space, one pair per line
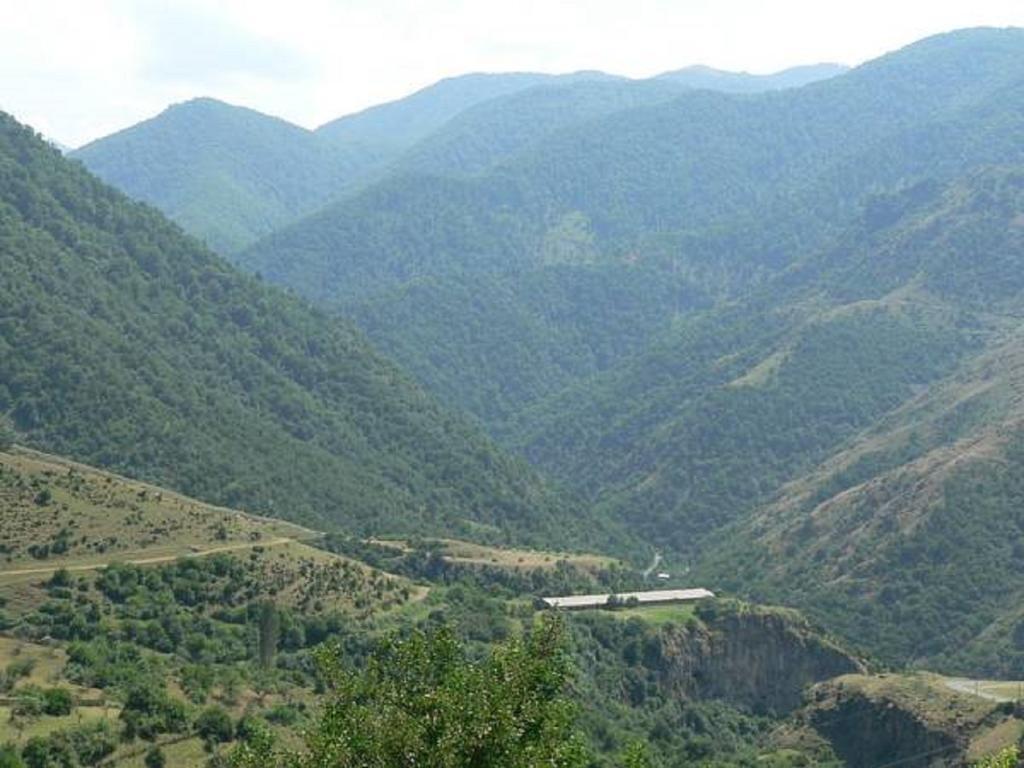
214, 725
57, 702
9, 757
28, 701
155, 757
148, 712
6, 432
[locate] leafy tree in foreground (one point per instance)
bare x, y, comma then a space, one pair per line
420, 702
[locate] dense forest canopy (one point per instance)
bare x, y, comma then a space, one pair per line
129, 345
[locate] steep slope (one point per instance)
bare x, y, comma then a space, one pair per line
226, 174
707, 194
848, 440
486, 135
488, 343
912, 720
128, 345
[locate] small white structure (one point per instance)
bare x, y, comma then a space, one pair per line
652, 597
663, 576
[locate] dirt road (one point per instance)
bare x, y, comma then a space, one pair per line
993, 690
150, 560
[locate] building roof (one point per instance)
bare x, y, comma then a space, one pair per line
651, 596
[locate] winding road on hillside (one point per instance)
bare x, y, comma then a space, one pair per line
654, 564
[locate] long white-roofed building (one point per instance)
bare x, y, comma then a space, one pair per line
651, 597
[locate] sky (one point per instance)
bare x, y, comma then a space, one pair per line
77, 70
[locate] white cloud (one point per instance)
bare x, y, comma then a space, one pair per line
77, 70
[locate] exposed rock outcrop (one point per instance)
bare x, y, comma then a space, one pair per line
759, 658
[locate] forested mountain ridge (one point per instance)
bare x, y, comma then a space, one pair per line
226, 174
702, 194
484, 136
709, 78
845, 439
129, 345
230, 175
907, 539
397, 125
655, 183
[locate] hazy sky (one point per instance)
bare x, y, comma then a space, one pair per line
79, 69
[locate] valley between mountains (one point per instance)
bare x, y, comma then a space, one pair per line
267, 390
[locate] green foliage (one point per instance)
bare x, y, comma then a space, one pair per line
663, 204
420, 702
7, 435
57, 702
637, 756
155, 757
225, 173
269, 633
15, 671
148, 712
1007, 758
214, 726
10, 757
83, 745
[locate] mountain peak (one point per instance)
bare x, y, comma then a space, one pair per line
701, 76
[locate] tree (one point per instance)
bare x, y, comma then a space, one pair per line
637, 755
1008, 758
148, 712
420, 702
214, 726
7, 433
9, 757
155, 757
269, 629
43, 752
57, 702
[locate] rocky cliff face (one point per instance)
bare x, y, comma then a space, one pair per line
758, 658
867, 734
913, 720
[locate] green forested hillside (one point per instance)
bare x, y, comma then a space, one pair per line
486, 135
706, 194
772, 333
908, 538
847, 438
231, 175
488, 343
227, 174
129, 345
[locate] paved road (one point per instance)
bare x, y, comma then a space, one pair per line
975, 688
152, 560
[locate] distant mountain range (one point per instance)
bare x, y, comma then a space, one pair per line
231, 175
767, 324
